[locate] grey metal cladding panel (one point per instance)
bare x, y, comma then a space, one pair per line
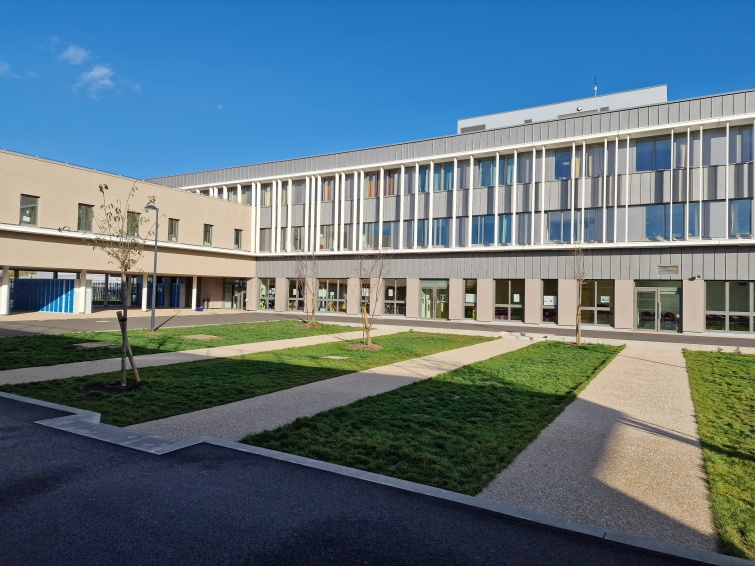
672, 112
743, 263
371, 210
717, 106
390, 209
749, 101
326, 213
730, 258
634, 118
623, 119
663, 117
709, 265
727, 105
644, 116
569, 127
695, 109
706, 108
265, 218
423, 204
653, 116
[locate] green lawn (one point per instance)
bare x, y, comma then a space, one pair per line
191, 386
47, 350
723, 390
456, 431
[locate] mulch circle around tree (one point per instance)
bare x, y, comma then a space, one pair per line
113, 387
373, 347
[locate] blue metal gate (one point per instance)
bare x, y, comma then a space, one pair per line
45, 295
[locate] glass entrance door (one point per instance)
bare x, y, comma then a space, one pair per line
658, 309
434, 299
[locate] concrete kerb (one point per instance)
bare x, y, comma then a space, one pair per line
86, 423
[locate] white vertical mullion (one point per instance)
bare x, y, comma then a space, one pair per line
671, 193
542, 198
726, 185
252, 220
495, 199
336, 209
258, 197
416, 205
343, 245
532, 197
616, 191
306, 215
605, 185
289, 203
573, 193
626, 199
401, 209
513, 200
361, 208
238, 193
431, 187
582, 194
318, 219
354, 213
752, 176
686, 166
700, 197
453, 203
470, 201
381, 188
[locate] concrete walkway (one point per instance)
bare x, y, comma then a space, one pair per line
61, 371
625, 455
235, 420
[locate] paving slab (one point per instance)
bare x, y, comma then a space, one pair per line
61, 371
265, 412
625, 455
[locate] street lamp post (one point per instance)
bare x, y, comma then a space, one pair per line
154, 276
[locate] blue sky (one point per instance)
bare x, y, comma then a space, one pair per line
149, 88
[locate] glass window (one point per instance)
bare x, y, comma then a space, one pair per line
395, 297
266, 192
331, 295
328, 189
483, 228
370, 236
739, 296
715, 295
326, 237
346, 237
550, 300
284, 194
506, 173
443, 177
470, 298
408, 233
563, 164
422, 225
653, 154
486, 172
295, 295
741, 217
172, 230
663, 152
509, 299
409, 180
265, 240
86, 216
389, 231
654, 222
133, 220
297, 238
680, 152
746, 149
298, 191
504, 228
440, 231
590, 221
644, 155
597, 302
371, 181
391, 182
595, 163
237, 239
693, 219
207, 235
559, 225
424, 173
267, 293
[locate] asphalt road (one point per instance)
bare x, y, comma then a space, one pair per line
67, 499
9, 327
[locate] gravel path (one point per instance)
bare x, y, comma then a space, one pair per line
625, 455
235, 420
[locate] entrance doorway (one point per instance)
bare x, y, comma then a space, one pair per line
658, 309
234, 294
434, 298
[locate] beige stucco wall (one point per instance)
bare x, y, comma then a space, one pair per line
693, 305
485, 299
567, 302
455, 299
412, 298
623, 301
533, 301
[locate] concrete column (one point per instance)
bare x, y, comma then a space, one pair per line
485, 299
412, 298
693, 305
623, 304
194, 282
377, 299
455, 299
252, 290
80, 293
533, 301
567, 302
353, 295
281, 294
88, 295
5, 291
144, 291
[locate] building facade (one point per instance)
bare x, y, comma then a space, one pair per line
655, 197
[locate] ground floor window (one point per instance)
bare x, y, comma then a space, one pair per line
395, 296
364, 297
729, 305
470, 298
550, 300
331, 295
597, 302
509, 299
267, 293
295, 295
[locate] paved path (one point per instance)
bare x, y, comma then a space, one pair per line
61, 371
235, 420
625, 455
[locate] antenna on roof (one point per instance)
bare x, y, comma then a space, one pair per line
595, 87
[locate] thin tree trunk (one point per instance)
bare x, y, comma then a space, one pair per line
579, 323
367, 330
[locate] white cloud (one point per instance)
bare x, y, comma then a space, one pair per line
4, 69
74, 55
99, 78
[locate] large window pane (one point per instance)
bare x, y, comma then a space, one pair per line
563, 164
644, 155
715, 295
486, 173
739, 296
741, 217
694, 220
654, 222
663, 153
504, 228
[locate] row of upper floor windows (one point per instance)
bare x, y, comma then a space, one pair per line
645, 154
29, 214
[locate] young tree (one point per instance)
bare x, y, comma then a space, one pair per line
305, 274
375, 268
578, 267
117, 234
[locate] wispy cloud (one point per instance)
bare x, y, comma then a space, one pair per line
4, 69
74, 55
96, 80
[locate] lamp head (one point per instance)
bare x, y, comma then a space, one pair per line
151, 207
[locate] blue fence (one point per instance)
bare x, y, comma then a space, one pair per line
46, 295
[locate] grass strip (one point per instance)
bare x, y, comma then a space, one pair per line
456, 431
723, 391
48, 350
185, 387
